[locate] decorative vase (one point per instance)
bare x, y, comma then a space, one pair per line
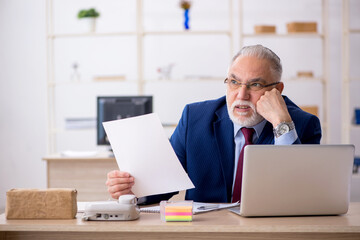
186, 19
90, 24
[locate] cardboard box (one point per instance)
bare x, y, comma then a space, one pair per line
53, 203
264, 29
301, 27
308, 74
311, 109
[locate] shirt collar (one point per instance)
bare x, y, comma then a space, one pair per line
258, 128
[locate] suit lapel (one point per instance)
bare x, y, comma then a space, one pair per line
224, 135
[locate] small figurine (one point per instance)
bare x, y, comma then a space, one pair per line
186, 4
165, 71
75, 76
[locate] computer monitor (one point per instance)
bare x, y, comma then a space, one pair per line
119, 107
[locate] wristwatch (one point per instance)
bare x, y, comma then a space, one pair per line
283, 128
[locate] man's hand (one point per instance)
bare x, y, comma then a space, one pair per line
273, 108
119, 183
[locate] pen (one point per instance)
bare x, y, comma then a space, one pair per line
207, 207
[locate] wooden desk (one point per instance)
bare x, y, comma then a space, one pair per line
87, 175
213, 225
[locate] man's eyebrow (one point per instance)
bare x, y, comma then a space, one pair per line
234, 77
257, 80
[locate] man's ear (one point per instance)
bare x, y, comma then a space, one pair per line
280, 87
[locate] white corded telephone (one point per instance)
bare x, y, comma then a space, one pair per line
123, 209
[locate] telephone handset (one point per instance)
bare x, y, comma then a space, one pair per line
125, 208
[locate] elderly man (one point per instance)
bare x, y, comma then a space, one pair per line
210, 135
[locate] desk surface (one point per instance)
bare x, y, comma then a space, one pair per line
103, 156
218, 224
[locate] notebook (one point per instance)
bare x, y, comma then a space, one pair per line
296, 180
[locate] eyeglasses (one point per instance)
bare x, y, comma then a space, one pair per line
254, 86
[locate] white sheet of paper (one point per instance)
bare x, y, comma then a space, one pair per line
142, 149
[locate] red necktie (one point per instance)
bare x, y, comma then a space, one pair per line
248, 134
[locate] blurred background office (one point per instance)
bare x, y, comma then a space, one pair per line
54, 66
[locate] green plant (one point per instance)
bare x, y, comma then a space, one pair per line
87, 13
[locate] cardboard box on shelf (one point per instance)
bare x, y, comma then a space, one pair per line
301, 27
311, 109
308, 74
264, 29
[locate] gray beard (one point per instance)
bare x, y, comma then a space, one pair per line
254, 119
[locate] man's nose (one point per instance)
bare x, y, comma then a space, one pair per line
243, 92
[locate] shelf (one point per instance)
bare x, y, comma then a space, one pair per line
354, 30
348, 89
62, 83
283, 35
199, 79
140, 33
169, 125
356, 79
89, 34
347, 81
324, 125
355, 127
106, 34
186, 79
276, 38
306, 79
191, 32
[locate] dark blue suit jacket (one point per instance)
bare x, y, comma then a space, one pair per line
204, 143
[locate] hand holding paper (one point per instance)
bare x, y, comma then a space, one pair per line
142, 149
119, 183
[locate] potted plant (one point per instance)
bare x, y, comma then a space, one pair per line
90, 16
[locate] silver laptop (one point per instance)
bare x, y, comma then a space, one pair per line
296, 180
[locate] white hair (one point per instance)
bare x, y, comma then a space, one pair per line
262, 52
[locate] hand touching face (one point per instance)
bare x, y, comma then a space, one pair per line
272, 107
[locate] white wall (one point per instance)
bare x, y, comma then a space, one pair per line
22, 95
23, 118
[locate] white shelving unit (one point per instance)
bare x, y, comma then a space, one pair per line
138, 84
143, 39
350, 83
321, 36
350, 87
